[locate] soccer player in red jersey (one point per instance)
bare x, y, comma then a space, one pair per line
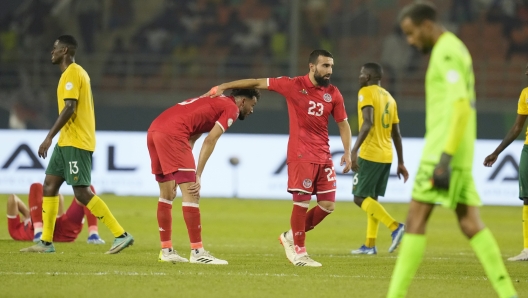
170, 140
68, 224
311, 99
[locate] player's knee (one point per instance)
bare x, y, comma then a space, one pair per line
327, 205
358, 200
470, 227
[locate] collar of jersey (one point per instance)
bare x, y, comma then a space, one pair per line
309, 83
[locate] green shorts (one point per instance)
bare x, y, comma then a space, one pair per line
462, 188
371, 180
72, 164
523, 173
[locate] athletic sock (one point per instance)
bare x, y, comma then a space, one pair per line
412, 250
92, 221
35, 206
372, 231
99, 208
525, 225
164, 215
488, 253
191, 215
297, 222
50, 209
315, 216
374, 208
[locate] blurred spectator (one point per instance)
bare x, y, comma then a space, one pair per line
89, 18
121, 14
116, 63
397, 58
461, 11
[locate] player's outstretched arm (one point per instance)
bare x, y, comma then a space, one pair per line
240, 84
346, 138
508, 139
368, 116
397, 139
65, 115
205, 152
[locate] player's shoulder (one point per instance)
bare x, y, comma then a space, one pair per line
524, 92
449, 48
76, 69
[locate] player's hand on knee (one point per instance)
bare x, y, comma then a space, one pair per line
194, 189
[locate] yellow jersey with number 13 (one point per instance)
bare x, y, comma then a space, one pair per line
79, 131
377, 147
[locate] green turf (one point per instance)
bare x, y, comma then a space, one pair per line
245, 232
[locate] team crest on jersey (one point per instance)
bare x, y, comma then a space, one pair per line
327, 97
304, 92
307, 183
229, 122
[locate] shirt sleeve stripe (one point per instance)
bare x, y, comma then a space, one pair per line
223, 129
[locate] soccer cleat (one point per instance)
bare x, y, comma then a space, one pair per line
288, 245
171, 256
39, 247
37, 236
95, 239
306, 261
120, 244
397, 236
523, 256
364, 250
205, 257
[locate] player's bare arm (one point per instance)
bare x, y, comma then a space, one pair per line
368, 116
205, 152
397, 140
193, 139
346, 138
240, 84
69, 109
508, 139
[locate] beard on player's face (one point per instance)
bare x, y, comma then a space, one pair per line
321, 80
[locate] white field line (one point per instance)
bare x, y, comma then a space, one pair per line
179, 272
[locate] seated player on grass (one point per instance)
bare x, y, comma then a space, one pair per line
68, 224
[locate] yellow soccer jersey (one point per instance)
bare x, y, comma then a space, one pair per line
522, 107
79, 131
377, 147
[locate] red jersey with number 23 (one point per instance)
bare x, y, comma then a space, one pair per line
308, 109
196, 115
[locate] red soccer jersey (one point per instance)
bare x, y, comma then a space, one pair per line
196, 115
309, 108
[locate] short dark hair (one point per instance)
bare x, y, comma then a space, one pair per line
316, 53
68, 40
249, 93
374, 68
419, 12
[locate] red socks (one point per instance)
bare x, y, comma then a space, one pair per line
315, 216
35, 203
297, 222
165, 222
191, 215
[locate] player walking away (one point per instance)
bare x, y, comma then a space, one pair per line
378, 122
522, 113
68, 224
311, 100
444, 175
170, 140
71, 160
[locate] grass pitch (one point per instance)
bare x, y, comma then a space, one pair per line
245, 233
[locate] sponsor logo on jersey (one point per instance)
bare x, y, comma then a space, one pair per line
307, 183
69, 86
361, 97
327, 97
304, 92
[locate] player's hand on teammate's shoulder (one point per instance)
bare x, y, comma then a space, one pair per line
402, 171
214, 92
490, 159
43, 149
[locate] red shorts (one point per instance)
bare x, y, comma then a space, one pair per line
18, 230
311, 178
171, 158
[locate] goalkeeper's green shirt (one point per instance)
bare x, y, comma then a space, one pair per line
449, 78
